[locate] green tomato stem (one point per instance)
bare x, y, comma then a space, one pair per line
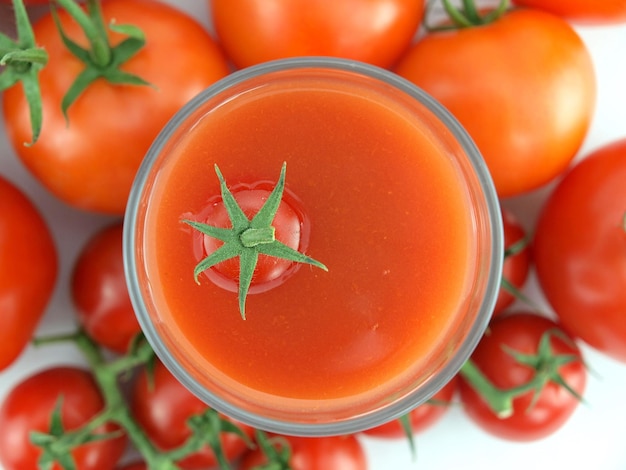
468, 15
92, 25
23, 61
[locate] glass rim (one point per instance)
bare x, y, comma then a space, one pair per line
369, 419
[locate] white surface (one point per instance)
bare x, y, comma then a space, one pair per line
594, 438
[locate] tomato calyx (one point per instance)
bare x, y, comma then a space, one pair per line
101, 59
248, 238
57, 443
544, 362
468, 15
23, 61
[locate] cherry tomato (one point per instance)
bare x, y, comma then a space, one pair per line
162, 405
422, 417
29, 261
90, 161
580, 249
29, 407
316, 453
374, 31
533, 417
99, 292
581, 11
516, 264
523, 86
291, 228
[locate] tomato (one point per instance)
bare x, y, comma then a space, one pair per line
162, 405
533, 417
516, 264
316, 453
580, 249
373, 31
29, 261
529, 110
291, 226
99, 291
582, 11
29, 407
422, 417
90, 161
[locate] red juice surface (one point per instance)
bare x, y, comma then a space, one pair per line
389, 216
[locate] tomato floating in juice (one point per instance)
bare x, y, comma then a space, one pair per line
387, 213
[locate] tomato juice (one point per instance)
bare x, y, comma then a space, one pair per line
385, 204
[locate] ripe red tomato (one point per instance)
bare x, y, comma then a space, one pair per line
29, 407
422, 417
162, 405
291, 228
29, 261
316, 453
516, 265
99, 291
582, 11
91, 161
373, 31
580, 249
523, 86
532, 418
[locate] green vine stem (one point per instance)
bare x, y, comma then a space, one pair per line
101, 59
23, 60
468, 15
546, 365
206, 427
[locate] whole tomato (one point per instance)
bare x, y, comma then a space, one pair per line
90, 160
422, 417
162, 405
315, 453
534, 416
291, 229
517, 260
581, 11
523, 86
373, 31
29, 407
28, 273
99, 292
580, 249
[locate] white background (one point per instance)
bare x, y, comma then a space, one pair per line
594, 438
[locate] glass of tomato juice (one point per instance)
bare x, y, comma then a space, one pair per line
382, 186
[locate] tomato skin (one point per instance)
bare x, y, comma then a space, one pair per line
29, 406
373, 31
522, 331
91, 162
99, 291
29, 260
316, 453
580, 249
421, 418
162, 409
581, 11
516, 267
527, 111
